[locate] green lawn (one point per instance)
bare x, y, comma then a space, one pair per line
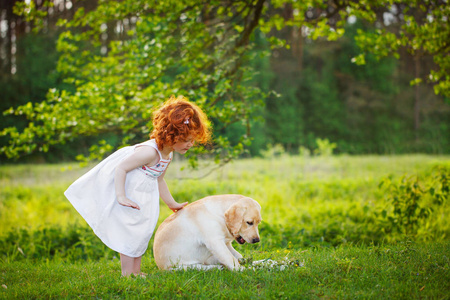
326, 214
347, 272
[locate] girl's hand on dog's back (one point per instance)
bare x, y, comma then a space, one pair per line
177, 206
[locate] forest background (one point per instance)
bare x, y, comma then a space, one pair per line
312, 87
338, 111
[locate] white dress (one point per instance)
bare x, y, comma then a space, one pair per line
123, 229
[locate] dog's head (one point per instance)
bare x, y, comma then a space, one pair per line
242, 220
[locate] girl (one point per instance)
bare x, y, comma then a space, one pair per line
119, 198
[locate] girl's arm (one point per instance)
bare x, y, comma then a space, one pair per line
142, 156
166, 196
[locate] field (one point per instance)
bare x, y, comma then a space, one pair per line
342, 226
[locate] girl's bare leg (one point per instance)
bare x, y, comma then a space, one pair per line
130, 265
137, 265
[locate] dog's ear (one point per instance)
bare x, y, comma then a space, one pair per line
233, 218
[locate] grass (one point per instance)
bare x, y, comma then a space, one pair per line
346, 272
323, 212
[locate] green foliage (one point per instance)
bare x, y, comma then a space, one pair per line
405, 199
209, 53
115, 92
408, 198
423, 32
362, 109
324, 147
273, 151
318, 201
321, 218
31, 14
36, 60
73, 244
97, 152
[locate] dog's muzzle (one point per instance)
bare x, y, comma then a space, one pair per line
240, 240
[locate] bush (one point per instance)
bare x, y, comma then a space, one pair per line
412, 199
314, 202
74, 243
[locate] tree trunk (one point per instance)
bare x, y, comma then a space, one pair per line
417, 97
8, 41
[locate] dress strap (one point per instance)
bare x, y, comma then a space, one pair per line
152, 143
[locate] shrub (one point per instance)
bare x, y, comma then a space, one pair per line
412, 199
74, 243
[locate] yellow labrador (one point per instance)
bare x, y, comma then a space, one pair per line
200, 235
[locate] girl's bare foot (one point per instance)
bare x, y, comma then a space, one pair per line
141, 275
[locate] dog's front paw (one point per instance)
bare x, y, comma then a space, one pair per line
245, 261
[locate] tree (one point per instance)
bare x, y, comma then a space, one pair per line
419, 29
124, 58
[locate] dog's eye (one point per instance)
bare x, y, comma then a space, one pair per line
250, 223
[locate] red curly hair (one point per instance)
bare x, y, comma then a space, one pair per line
177, 119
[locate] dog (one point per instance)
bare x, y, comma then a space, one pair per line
200, 235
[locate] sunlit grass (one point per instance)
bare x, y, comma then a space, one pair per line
397, 271
289, 188
323, 212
